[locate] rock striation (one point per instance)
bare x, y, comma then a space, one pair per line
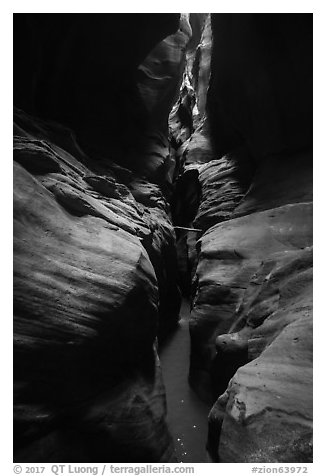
94, 284
252, 310
125, 122
251, 260
116, 100
95, 278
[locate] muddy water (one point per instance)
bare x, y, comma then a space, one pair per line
187, 414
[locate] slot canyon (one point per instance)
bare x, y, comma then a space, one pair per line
163, 238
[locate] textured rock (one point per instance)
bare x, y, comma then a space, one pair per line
281, 179
266, 413
121, 95
198, 148
159, 77
190, 142
95, 255
201, 66
223, 182
253, 303
189, 132
181, 117
87, 261
231, 254
160, 74
251, 320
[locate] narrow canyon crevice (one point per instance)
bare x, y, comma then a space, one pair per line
186, 412
163, 238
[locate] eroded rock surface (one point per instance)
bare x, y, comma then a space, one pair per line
95, 254
91, 246
251, 320
95, 251
253, 303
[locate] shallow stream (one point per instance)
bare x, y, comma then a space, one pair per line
187, 414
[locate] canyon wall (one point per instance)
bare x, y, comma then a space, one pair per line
90, 245
95, 277
251, 256
124, 123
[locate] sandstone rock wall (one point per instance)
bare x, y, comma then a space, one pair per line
95, 251
94, 284
252, 309
189, 133
112, 78
251, 320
